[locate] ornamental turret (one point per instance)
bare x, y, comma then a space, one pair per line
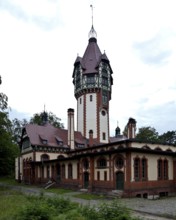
92, 79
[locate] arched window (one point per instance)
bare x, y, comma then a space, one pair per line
60, 157
70, 171
85, 164
137, 169
101, 163
44, 157
160, 163
119, 162
144, 169
165, 171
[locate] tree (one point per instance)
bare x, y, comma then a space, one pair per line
16, 128
169, 137
3, 99
8, 150
147, 134
39, 119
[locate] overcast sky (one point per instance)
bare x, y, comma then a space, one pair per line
40, 40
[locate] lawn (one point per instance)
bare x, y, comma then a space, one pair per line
16, 206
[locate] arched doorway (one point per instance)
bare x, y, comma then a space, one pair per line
86, 179
119, 180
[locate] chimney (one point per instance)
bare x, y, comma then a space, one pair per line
71, 138
90, 138
131, 128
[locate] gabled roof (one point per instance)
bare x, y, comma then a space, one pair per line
37, 133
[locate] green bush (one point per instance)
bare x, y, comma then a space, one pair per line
38, 210
90, 213
106, 211
61, 205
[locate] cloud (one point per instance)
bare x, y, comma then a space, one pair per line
45, 19
154, 51
157, 117
13, 113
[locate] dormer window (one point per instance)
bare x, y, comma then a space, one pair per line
59, 141
43, 139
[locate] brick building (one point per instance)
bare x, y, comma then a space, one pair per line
89, 158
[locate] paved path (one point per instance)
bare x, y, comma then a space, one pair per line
144, 208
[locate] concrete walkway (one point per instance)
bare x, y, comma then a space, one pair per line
161, 209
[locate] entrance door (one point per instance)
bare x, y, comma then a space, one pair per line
86, 180
119, 180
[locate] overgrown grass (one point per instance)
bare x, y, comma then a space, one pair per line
16, 206
88, 196
10, 203
8, 180
59, 190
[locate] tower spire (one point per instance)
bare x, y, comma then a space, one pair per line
92, 32
92, 13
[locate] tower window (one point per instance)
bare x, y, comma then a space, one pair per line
104, 81
103, 112
91, 98
104, 136
90, 80
80, 100
105, 97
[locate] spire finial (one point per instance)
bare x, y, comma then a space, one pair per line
92, 13
92, 32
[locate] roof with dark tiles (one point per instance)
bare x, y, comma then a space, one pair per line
37, 133
91, 58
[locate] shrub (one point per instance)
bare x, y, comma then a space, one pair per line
61, 205
35, 211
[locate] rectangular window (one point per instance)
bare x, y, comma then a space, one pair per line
70, 171
42, 172
105, 175
98, 175
104, 136
63, 171
160, 169
105, 97
91, 98
78, 171
90, 80
137, 169
144, 169
104, 81
80, 101
48, 172
165, 169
